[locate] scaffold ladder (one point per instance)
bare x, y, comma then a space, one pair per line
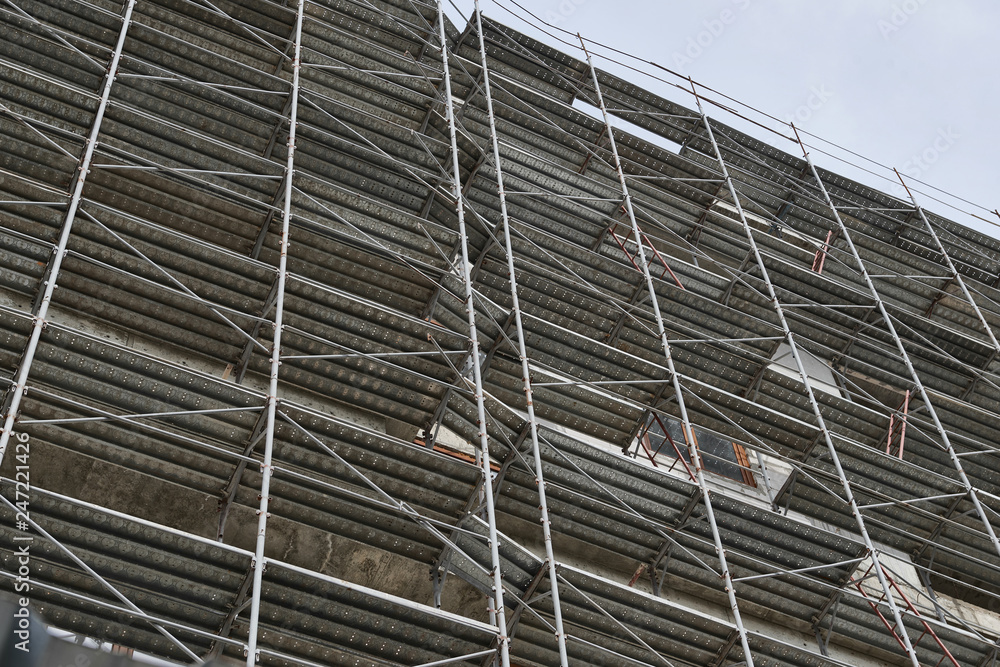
874, 602
623, 242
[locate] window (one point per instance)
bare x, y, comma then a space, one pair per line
662, 441
820, 374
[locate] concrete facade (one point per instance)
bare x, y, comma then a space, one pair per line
234, 258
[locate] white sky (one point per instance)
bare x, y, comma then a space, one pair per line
892, 80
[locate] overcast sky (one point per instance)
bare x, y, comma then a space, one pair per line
911, 84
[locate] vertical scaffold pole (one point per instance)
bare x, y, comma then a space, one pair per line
470, 307
689, 436
550, 561
951, 266
817, 413
956, 461
21, 383
266, 469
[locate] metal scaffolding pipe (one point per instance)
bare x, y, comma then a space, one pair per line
378, 254
945, 440
817, 413
951, 267
955, 458
21, 383
689, 436
79, 562
497, 601
522, 352
266, 469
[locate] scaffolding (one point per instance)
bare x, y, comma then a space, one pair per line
333, 332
